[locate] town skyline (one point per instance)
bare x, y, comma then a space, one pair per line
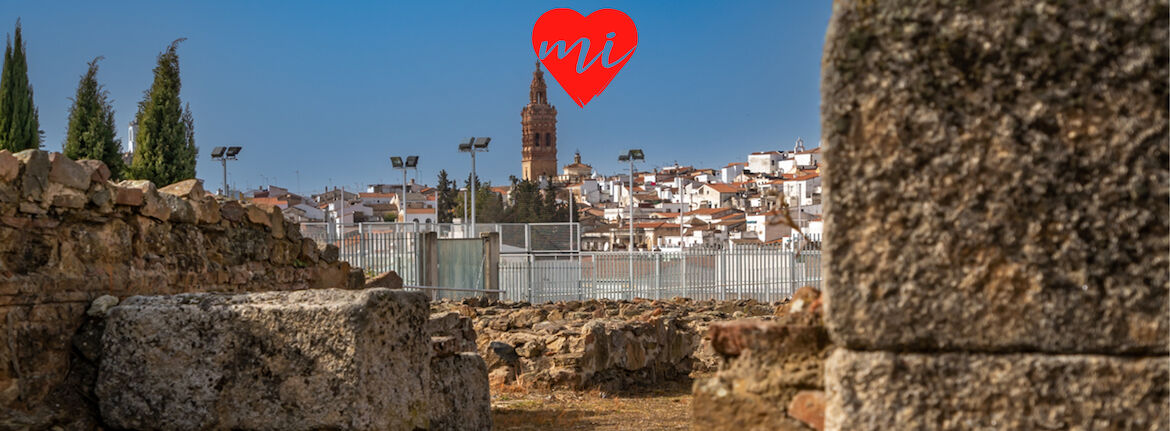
340, 136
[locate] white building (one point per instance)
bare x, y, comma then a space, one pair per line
765, 162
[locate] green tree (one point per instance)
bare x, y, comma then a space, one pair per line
19, 126
489, 206
447, 195
165, 144
92, 131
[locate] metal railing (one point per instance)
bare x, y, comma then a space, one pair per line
537, 274
514, 237
762, 273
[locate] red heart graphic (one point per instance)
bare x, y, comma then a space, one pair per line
584, 53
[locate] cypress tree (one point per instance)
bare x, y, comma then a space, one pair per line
165, 143
92, 131
19, 126
446, 197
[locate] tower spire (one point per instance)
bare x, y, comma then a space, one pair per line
538, 93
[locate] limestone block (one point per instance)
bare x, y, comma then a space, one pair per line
9, 166
152, 203
314, 359
997, 176
34, 177
957, 391
66, 172
459, 393
191, 189
98, 171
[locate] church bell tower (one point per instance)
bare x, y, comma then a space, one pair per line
538, 120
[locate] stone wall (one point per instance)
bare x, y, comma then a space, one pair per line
772, 373
611, 345
997, 214
68, 236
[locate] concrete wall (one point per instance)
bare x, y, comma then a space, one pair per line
997, 224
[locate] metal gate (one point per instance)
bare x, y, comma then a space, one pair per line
460, 265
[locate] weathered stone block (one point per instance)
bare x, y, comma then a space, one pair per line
98, 171
152, 204
9, 166
66, 172
996, 176
316, 359
191, 189
34, 176
962, 391
459, 395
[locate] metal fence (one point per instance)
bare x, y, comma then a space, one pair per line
763, 273
514, 237
533, 267
375, 247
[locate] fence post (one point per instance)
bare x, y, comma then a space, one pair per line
657, 275
428, 265
491, 263
792, 271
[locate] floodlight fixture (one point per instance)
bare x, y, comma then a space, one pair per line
396, 162
223, 154
637, 155
473, 145
624, 158
412, 161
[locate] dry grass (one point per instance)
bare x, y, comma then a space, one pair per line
666, 407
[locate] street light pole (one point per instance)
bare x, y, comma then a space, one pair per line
631, 156
223, 154
411, 162
474, 145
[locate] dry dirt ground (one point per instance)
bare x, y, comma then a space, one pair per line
665, 407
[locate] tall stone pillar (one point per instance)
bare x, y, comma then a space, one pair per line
997, 217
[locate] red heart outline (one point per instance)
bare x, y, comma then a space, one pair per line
564, 31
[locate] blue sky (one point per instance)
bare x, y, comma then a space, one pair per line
333, 89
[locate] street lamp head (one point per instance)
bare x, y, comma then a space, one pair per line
624, 158
217, 152
481, 142
232, 151
465, 148
411, 161
637, 155
396, 162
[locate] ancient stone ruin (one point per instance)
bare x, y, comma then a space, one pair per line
998, 215
72, 244
610, 345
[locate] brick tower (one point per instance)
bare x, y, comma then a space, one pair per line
539, 121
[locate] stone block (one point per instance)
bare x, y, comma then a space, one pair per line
66, 172
98, 171
127, 195
314, 359
180, 210
997, 176
9, 166
964, 391
34, 175
152, 203
459, 393
191, 189
389, 279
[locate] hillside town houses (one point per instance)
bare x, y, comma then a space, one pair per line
738, 204
769, 197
